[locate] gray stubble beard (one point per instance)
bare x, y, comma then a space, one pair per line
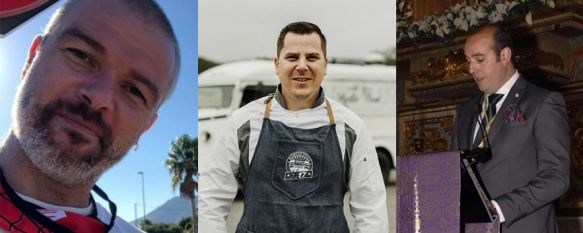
61, 165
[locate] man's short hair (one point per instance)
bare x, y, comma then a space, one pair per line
302, 28
502, 39
149, 10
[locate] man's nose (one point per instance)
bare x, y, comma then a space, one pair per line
471, 68
98, 92
302, 65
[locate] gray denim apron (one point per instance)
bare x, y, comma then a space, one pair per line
295, 181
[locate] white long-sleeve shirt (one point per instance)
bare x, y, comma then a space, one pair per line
218, 184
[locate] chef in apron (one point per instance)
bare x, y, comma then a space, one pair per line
295, 154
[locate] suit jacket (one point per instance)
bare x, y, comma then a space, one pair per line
530, 164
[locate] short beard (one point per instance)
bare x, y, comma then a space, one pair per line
63, 165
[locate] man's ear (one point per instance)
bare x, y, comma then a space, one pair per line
325, 66
276, 63
151, 122
32, 52
506, 55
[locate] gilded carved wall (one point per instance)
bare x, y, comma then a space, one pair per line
430, 134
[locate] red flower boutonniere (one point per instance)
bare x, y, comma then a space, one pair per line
513, 113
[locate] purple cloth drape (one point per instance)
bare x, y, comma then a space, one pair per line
428, 195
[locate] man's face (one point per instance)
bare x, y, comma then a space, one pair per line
90, 88
301, 67
485, 66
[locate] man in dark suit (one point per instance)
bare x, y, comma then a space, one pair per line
528, 133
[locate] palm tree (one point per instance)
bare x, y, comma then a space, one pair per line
182, 163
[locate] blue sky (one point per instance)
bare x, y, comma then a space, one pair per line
178, 116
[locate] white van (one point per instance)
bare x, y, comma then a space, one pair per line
368, 90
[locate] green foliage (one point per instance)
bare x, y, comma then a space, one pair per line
186, 224
162, 228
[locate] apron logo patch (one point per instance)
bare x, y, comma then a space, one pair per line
299, 166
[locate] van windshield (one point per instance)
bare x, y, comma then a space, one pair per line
215, 96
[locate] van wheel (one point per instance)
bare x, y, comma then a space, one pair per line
385, 164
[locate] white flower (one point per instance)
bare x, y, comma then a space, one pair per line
501, 8
446, 29
439, 32
412, 34
429, 19
481, 13
442, 19
457, 7
528, 18
495, 17
486, 3
423, 27
401, 5
472, 17
460, 22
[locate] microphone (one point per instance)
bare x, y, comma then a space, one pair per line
480, 154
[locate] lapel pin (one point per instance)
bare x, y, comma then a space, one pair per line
516, 95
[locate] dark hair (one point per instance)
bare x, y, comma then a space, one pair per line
302, 28
502, 39
149, 10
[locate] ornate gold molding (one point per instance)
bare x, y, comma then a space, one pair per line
451, 67
427, 135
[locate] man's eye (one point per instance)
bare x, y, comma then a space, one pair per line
136, 92
81, 56
313, 58
292, 58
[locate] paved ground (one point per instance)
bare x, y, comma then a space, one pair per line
237, 209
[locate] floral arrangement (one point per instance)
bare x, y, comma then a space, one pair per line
461, 17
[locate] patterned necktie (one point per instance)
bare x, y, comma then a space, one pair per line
490, 113
492, 101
